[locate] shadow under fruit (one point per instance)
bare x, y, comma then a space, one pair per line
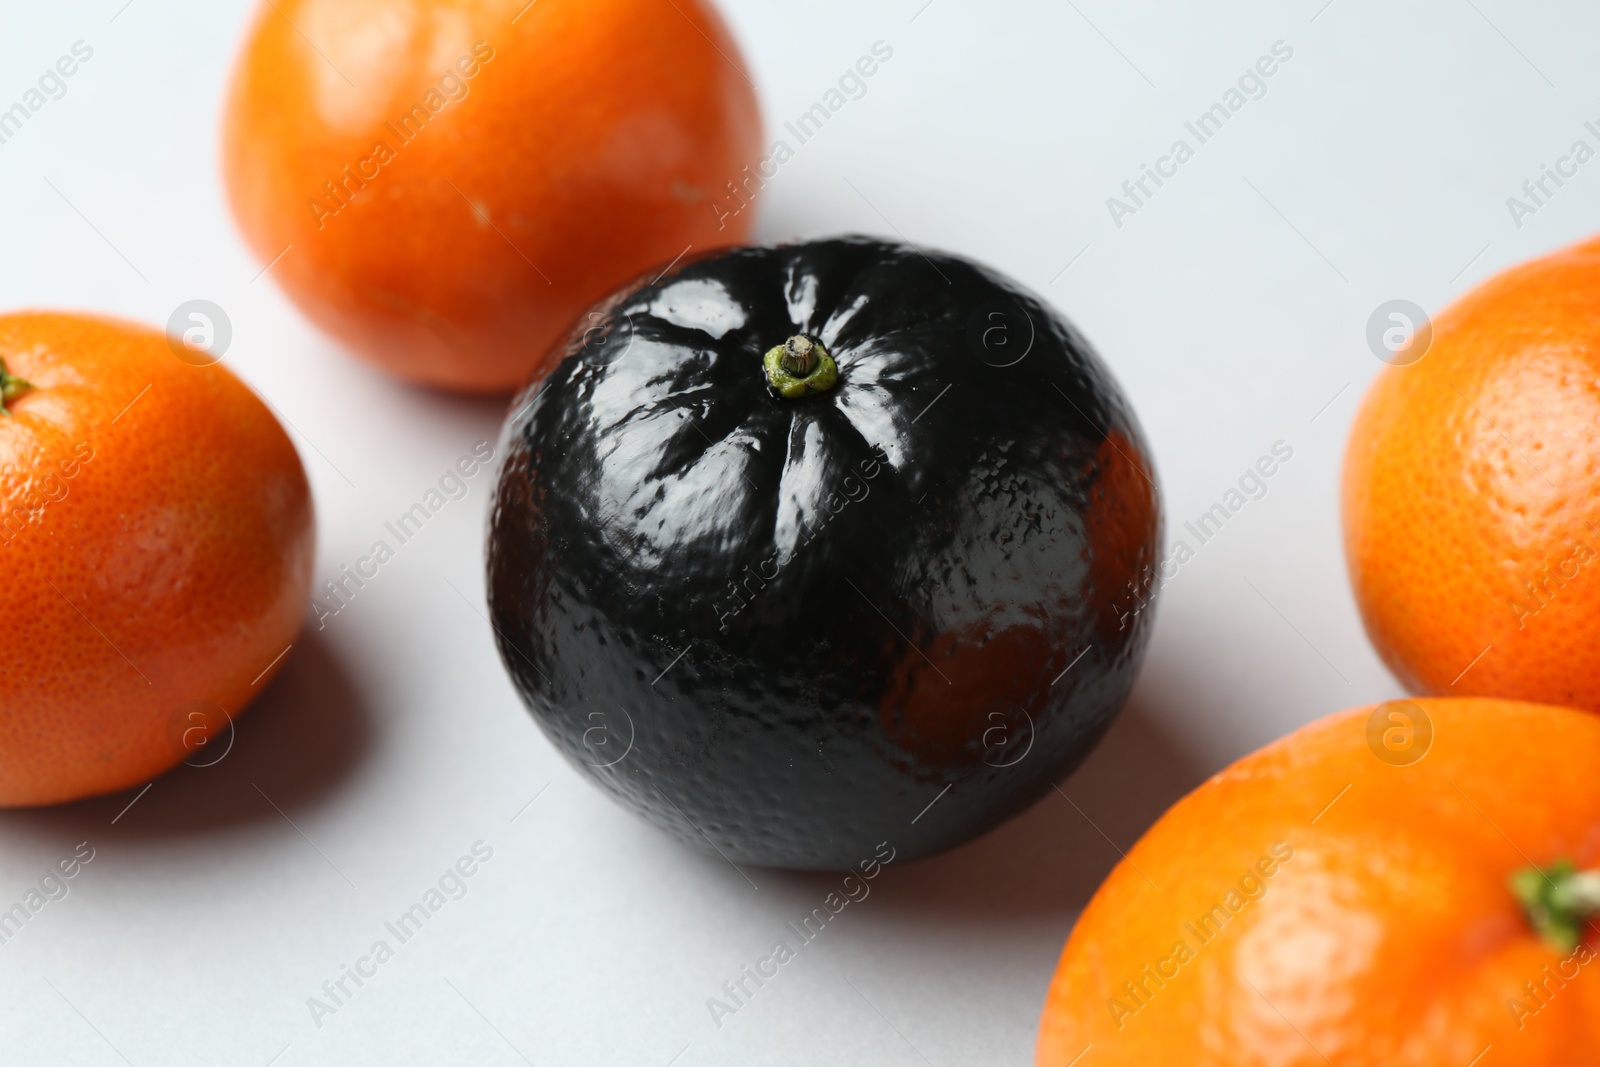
806, 548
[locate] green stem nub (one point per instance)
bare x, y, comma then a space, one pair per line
798, 367
11, 387
1559, 901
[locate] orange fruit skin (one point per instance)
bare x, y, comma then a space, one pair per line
1471, 497
157, 535
1387, 938
589, 146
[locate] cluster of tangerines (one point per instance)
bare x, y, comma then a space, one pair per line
1408, 884
156, 521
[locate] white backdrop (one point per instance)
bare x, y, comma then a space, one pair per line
1374, 164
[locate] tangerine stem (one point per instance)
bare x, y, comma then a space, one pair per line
1558, 901
799, 366
11, 387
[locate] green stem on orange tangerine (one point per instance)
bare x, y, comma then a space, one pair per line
11, 387
1559, 901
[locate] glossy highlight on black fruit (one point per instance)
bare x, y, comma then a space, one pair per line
791, 624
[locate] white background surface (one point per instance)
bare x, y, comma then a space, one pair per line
1232, 308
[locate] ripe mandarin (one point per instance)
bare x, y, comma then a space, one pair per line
157, 537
